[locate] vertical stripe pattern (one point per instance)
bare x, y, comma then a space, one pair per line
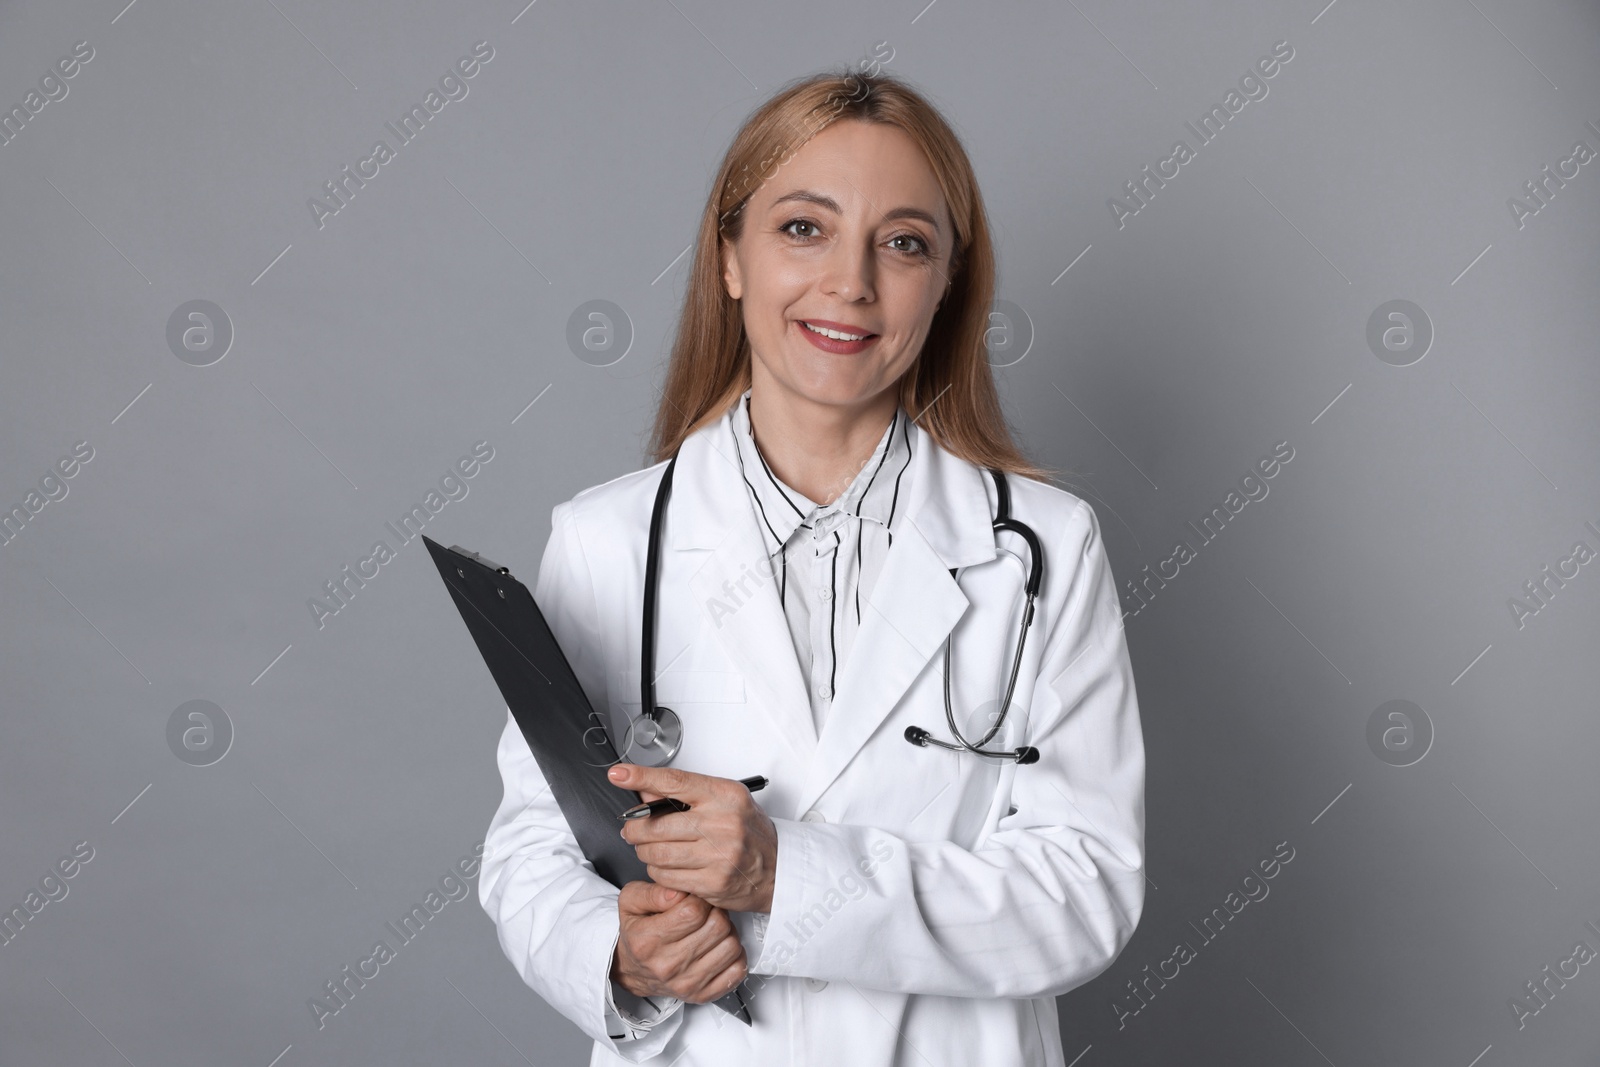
826, 557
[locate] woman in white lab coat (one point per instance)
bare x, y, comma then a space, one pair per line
880, 901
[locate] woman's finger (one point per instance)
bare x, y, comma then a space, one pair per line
725, 980
697, 973
663, 781
672, 855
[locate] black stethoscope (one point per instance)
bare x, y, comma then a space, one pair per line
656, 733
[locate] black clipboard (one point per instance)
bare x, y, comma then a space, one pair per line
568, 738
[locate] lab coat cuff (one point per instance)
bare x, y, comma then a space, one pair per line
630, 1017
629, 1026
821, 871
751, 926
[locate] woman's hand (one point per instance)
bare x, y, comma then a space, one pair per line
724, 850
675, 945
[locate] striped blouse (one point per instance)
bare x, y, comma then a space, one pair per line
826, 557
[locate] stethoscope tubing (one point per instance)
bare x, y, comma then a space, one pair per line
667, 738
666, 729
647, 672
1026, 753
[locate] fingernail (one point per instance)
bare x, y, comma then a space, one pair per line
617, 774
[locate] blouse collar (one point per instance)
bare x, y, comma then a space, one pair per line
877, 492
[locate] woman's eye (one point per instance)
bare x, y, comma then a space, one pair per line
919, 246
908, 244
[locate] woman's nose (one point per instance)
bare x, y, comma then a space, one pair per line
848, 273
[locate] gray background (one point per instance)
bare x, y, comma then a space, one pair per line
1228, 315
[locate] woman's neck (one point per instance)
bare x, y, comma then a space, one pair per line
817, 449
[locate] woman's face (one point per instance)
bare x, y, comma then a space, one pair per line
851, 235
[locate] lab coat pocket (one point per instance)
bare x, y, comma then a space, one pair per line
711, 707
685, 687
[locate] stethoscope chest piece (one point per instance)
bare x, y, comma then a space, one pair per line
654, 739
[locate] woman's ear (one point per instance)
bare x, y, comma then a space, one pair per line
732, 280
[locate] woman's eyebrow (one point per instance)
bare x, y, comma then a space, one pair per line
832, 205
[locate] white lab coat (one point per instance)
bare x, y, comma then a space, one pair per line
929, 905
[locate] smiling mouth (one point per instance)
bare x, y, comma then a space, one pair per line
837, 335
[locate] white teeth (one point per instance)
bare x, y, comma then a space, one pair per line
835, 334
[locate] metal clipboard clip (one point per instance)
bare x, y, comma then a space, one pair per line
485, 560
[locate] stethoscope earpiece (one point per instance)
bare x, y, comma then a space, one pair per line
922, 739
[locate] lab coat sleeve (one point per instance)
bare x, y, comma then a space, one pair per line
556, 917
1049, 898
631, 1016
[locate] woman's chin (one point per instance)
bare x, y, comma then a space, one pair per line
834, 393
840, 381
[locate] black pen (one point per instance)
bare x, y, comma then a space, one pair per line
669, 804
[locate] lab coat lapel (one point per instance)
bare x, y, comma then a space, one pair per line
734, 586
914, 605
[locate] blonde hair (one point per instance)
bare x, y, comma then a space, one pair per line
949, 390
